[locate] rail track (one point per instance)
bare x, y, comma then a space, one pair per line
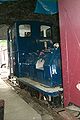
46, 111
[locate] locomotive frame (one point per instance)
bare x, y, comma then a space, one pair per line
33, 59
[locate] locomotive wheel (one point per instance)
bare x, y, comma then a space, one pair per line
22, 86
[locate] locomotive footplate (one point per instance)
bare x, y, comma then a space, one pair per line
52, 91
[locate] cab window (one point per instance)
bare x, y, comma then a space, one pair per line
45, 31
25, 30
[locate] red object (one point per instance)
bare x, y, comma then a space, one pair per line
69, 17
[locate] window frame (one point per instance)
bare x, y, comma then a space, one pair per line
25, 31
50, 31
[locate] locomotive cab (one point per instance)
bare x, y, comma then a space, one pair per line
33, 57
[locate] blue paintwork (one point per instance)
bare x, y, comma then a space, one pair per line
26, 53
51, 64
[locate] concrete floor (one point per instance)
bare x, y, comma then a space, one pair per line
15, 107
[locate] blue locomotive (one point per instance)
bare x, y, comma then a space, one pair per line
34, 58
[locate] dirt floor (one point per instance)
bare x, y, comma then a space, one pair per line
44, 109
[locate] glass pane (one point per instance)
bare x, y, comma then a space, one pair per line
25, 30
45, 31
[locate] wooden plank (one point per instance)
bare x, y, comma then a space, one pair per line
67, 116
